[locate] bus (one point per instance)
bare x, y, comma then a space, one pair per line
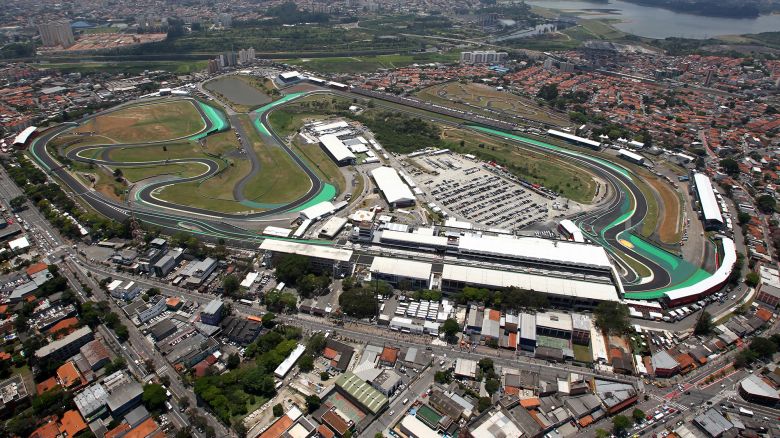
246, 302
745, 412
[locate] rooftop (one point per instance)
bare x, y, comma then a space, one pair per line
364, 393
317, 251
391, 185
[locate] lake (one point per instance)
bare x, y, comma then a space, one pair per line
238, 91
653, 22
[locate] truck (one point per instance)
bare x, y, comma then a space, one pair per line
745, 412
246, 302
279, 287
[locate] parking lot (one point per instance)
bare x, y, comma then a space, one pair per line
467, 189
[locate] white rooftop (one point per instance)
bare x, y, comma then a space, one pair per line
494, 278
318, 210
319, 251
391, 185
336, 147
401, 267
532, 248
709, 205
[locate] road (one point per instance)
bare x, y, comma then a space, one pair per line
137, 348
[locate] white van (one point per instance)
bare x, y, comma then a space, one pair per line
406, 400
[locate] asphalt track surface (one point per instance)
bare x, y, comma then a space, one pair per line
604, 225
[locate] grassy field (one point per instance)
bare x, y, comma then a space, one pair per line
280, 180
479, 97
215, 193
594, 29
360, 64
570, 180
106, 184
318, 160
154, 122
582, 353
167, 151
182, 170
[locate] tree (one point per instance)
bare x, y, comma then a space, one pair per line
601, 433
233, 361
766, 203
230, 284
548, 92
491, 386
704, 324
763, 347
312, 403
443, 377
306, 363
484, 404
359, 303
752, 279
154, 397
620, 423
730, 166
291, 267
17, 202
324, 376
743, 217
316, 343
612, 317
450, 328
278, 410
269, 320
638, 415
486, 364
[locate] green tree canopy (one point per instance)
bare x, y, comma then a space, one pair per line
612, 317
704, 324
620, 423
730, 166
154, 397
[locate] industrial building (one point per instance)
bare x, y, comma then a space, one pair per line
395, 191
361, 393
337, 151
705, 194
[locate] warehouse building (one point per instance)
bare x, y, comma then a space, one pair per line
361, 393
710, 212
395, 191
337, 150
